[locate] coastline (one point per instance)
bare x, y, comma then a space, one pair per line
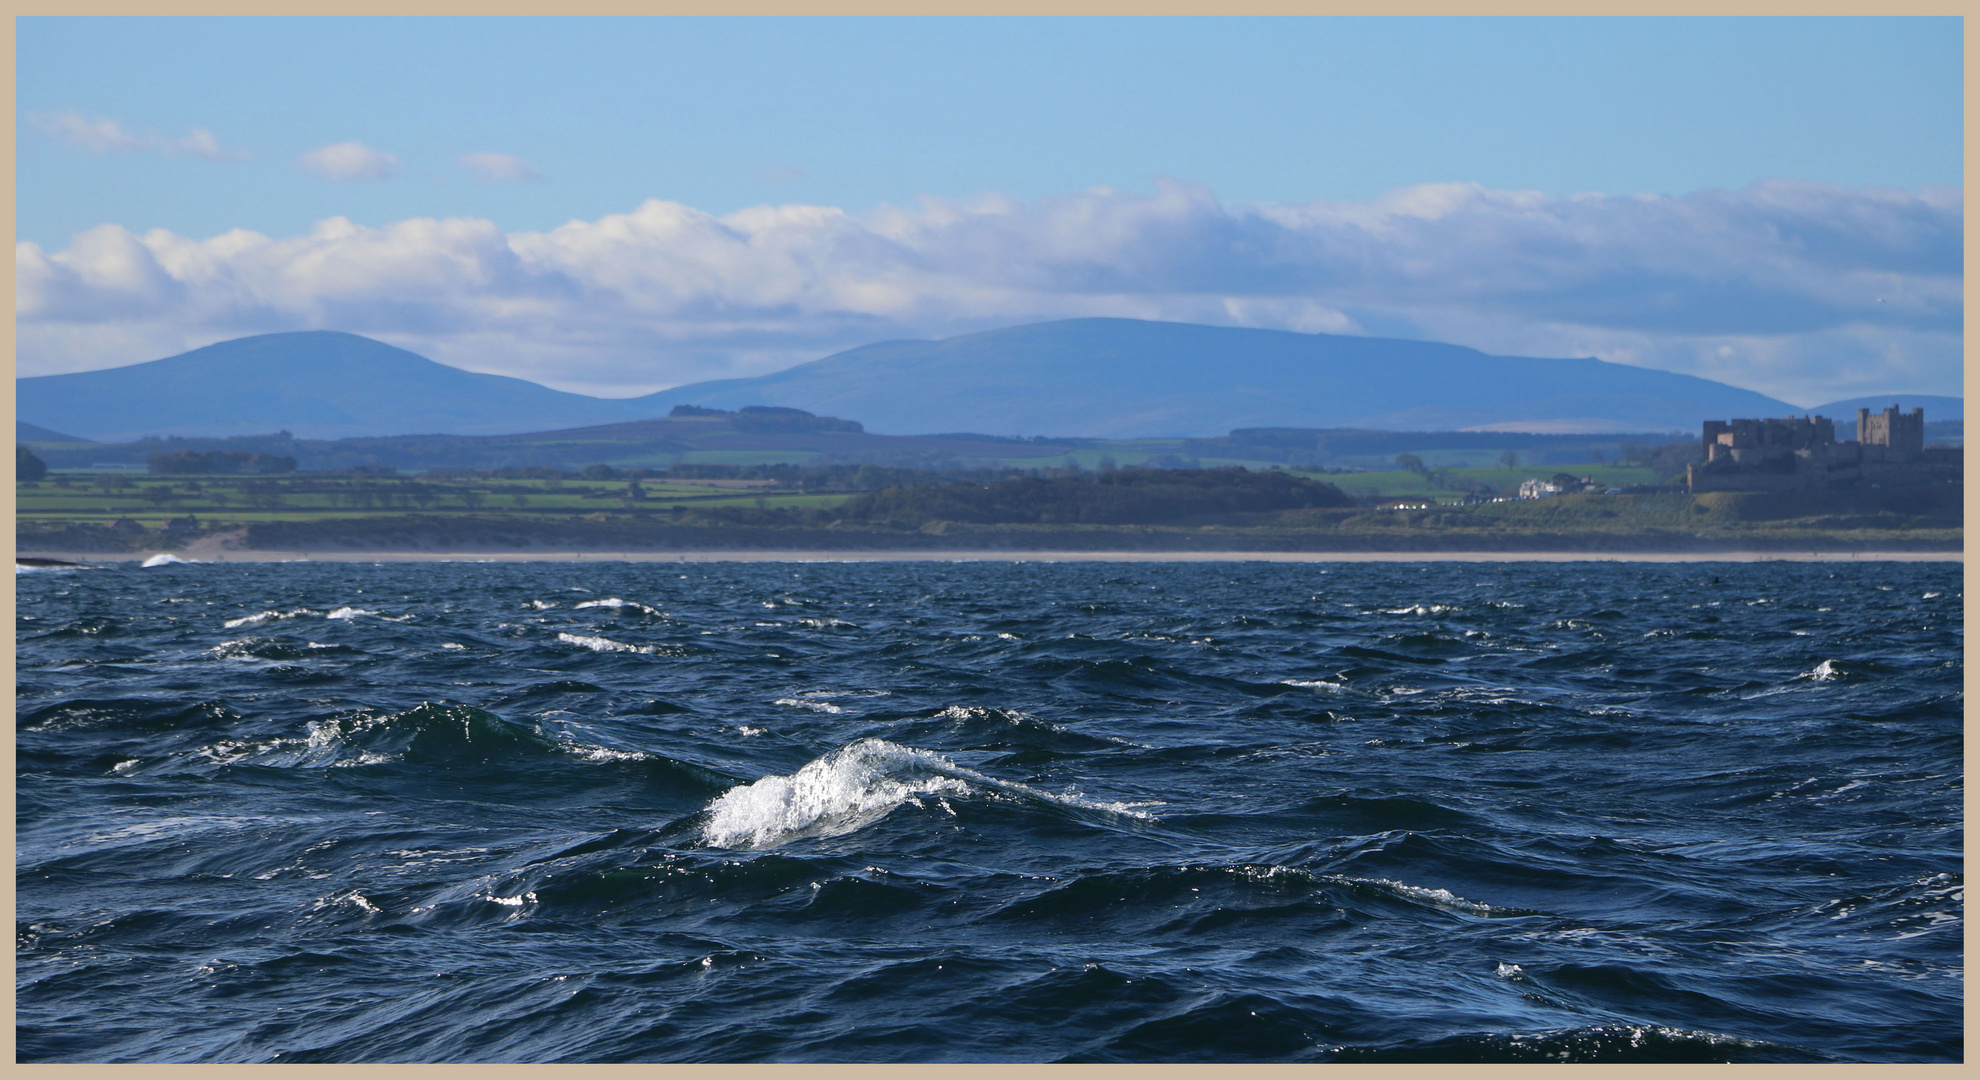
928, 555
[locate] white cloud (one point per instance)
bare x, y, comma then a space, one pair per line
103, 135
492, 168
349, 161
1775, 287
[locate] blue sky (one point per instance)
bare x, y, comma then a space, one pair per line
201, 126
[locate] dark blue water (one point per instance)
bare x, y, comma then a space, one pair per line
1169, 812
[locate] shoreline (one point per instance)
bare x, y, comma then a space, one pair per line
755, 556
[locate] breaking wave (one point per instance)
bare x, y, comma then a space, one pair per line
604, 644
855, 786
617, 604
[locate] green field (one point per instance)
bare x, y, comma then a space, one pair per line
1450, 485
225, 501
101, 498
1397, 509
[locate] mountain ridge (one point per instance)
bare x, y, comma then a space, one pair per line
1067, 377
1108, 378
316, 383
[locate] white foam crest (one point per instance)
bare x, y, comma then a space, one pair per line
615, 603
602, 753
1826, 671
540, 605
1420, 609
325, 747
270, 615
603, 644
1314, 684
852, 787
1438, 898
330, 747
808, 702
236, 649
349, 613
826, 623
162, 559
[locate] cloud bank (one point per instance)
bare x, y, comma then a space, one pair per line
103, 135
349, 161
1803, 291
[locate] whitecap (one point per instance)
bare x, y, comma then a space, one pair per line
260, 617
1437, 898
603, 644
349, 613
162, 559
603, 753
855, 786
1825, 671
1314, 684
808, 702
615, 602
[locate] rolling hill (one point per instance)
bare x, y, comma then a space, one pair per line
1124, 378
317, 384
1108, 378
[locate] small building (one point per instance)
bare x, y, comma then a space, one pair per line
1559, 484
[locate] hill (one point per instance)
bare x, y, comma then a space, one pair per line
32, 433
1106, 378
317, 384
1125, 378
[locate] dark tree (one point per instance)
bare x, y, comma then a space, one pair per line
27, 467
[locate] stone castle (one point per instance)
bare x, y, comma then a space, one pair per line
1802, 454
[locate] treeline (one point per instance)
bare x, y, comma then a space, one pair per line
225, 462
1314, 447
771, 418
1122, 497
814, 479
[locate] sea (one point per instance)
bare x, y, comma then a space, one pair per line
975, 811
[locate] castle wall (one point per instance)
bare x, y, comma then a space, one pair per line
1801, 454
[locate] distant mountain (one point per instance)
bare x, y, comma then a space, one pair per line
1117, 378
1124, 378
26, 432
1936, 407
317, 384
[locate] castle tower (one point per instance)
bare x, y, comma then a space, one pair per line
1903, 433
